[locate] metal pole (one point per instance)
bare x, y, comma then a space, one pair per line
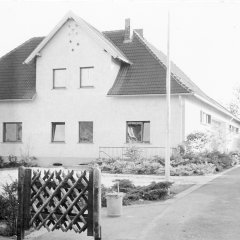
168, 89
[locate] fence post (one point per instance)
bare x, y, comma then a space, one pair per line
97, 203
90, 204
20, 222
27, 199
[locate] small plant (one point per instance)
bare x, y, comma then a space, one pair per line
133, 153
8, 207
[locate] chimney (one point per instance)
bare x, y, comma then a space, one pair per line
128, 33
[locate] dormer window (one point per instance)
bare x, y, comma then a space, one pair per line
86, 77
59, 78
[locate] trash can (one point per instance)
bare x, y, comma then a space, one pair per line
114, 204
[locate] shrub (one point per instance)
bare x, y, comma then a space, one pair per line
9, 206
125, 185
154, 191
133, 153
197, 142
193, 169
13, 161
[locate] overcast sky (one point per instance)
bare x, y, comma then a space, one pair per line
205, 35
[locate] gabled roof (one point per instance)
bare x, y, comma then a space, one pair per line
147, 74
17, 80
105, 43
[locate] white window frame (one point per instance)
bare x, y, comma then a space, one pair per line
54, 78
82, 85
79, 132
52, 132
205, 118
142, 130
5, 129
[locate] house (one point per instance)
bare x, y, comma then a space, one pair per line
64, 96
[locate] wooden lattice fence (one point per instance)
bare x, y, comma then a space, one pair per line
58, 200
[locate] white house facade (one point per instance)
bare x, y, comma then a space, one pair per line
64, 96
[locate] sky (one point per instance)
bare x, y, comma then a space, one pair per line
204, 35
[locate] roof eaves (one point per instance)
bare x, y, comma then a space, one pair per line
217, 106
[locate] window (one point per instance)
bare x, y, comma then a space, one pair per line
205, 118
59, 78
86, 77
12, 132
58, 132
86, 132
233, 129
138, 132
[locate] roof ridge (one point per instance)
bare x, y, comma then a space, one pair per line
145, 43
16, 48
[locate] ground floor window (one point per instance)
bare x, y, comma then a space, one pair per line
205, 118
86, 132
12, 132
58, 131
138, 131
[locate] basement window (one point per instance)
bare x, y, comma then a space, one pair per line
86, 132
86, 77
138, 132
58, 132
59, 78
12, 132
205, 118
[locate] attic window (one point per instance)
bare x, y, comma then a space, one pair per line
59, 78
86, 77
138, 132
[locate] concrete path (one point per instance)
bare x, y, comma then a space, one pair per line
212, 212
208, 213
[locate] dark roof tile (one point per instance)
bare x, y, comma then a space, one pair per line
17, 80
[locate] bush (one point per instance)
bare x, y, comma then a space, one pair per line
13, 161
9, 206
154, 191
141, 166
125, 185
193, 169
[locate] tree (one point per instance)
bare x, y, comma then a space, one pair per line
234, 105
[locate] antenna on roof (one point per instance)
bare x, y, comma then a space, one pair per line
168, 101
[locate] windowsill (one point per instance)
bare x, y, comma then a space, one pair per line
59, 142
86, 87
85, 142
147, 143
13, 142
59, 88
206, 124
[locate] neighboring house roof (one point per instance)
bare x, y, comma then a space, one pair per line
17, 80
105, 43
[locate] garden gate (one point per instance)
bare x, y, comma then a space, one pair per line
58, 200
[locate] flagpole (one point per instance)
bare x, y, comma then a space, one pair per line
168, 101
